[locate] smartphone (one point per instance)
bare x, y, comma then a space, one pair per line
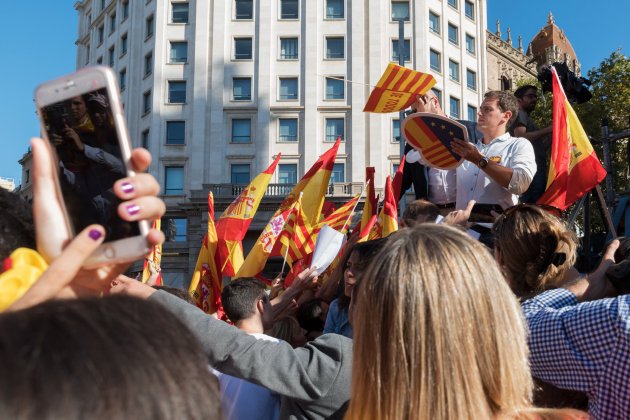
82, 119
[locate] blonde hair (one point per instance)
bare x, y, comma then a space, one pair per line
444, 338
536, 248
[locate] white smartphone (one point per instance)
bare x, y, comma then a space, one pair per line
82, 119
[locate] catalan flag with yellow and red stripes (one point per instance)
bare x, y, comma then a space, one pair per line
574, 168
397, 89
296, 238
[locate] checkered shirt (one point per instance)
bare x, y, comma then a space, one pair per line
583, 347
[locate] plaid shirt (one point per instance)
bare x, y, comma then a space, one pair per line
583, 347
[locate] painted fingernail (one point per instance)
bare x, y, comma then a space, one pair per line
127, 187
95, 234
132, 209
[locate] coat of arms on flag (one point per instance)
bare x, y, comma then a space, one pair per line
432, 135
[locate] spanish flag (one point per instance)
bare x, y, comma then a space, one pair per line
370, 206
387, 221
205, 285
235, 220
398, 178
575, 168
397, 89
314, 185
154, 258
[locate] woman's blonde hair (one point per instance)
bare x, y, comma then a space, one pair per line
437, 332
536, 248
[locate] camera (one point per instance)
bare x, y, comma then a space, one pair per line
576, 88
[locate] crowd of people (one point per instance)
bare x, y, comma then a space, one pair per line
427, 323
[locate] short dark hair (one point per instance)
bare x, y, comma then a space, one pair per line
520, 92
16, 224
506, 101
89, 357
240, 297
420, 211
309, 315
175, 291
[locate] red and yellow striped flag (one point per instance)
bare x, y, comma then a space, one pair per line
370, 206
235, 220
154, 259
397, 89
296, 238
574, 169
314, 185
387, 221
340, 218
205, 286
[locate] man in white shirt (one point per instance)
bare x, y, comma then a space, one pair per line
500, 167
247, 305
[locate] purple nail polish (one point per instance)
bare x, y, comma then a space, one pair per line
95, 234
133, 209
127, 187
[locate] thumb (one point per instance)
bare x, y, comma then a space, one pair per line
63, 269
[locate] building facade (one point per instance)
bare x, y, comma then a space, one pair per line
215, 90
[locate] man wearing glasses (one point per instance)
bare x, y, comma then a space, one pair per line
524, 126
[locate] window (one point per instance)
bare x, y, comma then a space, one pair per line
288, 88
144, 139
111, 56
334, 9
99, 60
289, 9
175, 132
453, 34
89, 17
454, 107
472, 113
150, 23
174, 229
335, 88
242, 88
470, 44
453, 3
244, 9
125, 9
400, 10
241, 130
406, 49
146, 102
174, 180
434, 22
453, 70
287, 173
395, 167
179, 13
338, 174
438, 93
122, 79
148, 64
123, 44
396, 130
100, 34
435, 61
87, 54
179, 52
287, 129
288, 48
242, 48
177, 92
240, 174
334, 128
27, 176
335, 47
112, 22
103, 3
469, 9
471, 79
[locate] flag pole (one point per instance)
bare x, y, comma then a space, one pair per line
355, 205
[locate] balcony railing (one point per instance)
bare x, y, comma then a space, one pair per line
274, 190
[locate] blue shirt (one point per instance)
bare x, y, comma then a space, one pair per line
584, 347
337, 320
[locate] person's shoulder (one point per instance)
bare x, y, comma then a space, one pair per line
264, 337
332, 344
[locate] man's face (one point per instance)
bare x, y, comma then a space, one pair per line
490, 115
529, 100
77, 108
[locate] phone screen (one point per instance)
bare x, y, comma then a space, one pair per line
81, 130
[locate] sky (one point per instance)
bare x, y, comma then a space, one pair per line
39, 46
